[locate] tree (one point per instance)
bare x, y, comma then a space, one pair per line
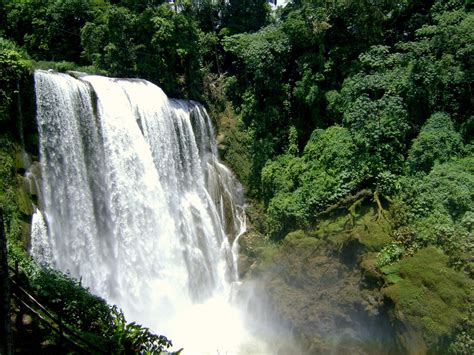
244, 16
306, 29
14, 67
50, 30
437, 142
176, 60
373, 108
260, 91
158, 44
296, 189
109, 42
441, 57
438, 210
138, 6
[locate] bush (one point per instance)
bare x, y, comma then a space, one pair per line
133, 338
389, 254
297, 188
438, 208
86, 313
437, 142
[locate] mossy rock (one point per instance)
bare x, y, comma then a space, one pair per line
23, 199
234, 143
266, 254
256, 253
252, 242
300, 240
428, 295
25, 234
333, 229
365, 226
313, 288
19, 161
370, 271
371, 231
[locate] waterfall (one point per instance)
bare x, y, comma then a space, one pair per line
138, 205
40, 243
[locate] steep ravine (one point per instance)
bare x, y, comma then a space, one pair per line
319, 285
316, 284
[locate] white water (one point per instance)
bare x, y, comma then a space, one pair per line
138, 205
40, 243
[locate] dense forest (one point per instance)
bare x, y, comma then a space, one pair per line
349, 123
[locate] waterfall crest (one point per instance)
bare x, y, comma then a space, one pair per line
136, 201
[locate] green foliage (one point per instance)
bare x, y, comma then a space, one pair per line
262, 56
281, 175
389, 254
50, 30
367, 88
175, 37
157, 44
292, 142
14, 72
375, 112
436, 142
133, 338
140, 5
67, 297
145, 39
297, 188
64, 66
244, 16
9, 203
442, 61
107, 43
7, 170
333, 149
234, 145
432, 297
263, 59
84, 312
439, 209
14, 67
448, 188
63, 295
463, 343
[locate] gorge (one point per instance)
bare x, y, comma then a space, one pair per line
347, 125
134, 203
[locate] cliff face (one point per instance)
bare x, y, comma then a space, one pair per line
314, 282
329, 310
325, 287
19, 162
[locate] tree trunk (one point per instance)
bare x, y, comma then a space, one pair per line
5, 332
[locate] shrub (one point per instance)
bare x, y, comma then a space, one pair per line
437, 142
389, 254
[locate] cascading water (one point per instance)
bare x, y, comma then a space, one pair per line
40, 243
138, 205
